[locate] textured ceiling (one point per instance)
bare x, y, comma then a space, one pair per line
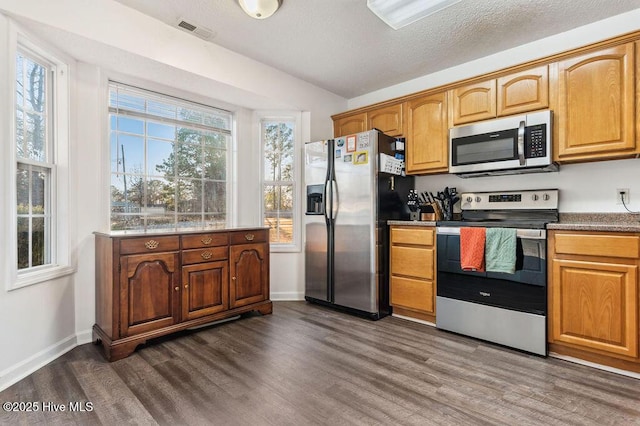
340, 45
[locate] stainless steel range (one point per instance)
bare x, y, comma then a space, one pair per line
500, 307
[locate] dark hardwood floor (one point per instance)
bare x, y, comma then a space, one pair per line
310, 365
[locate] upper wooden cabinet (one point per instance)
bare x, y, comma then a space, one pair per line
595, 116
474, 102
523, 91
511, 94
386, 119
427, 134
350, 124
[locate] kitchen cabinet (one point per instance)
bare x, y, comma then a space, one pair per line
593, 296
152, 285
387, 119
205, 274
249, 268
412, 266
595, 116
514, 93
427, 135
350, 124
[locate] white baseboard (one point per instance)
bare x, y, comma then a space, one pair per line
595, 365
22, 369
286, 296
84, 337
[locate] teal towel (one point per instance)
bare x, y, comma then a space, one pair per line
500, 250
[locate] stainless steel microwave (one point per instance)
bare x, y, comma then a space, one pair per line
509, 145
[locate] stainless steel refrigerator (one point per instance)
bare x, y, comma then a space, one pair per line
349, 201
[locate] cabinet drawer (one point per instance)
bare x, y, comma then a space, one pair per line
149, 244
625, 246
413, 262
412, 235
251, 236
412, 294
205, 240
204, 255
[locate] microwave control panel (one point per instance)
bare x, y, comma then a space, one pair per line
535, 141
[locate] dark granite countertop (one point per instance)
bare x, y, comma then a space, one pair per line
606, 222
609, 222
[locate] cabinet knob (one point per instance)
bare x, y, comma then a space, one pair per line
249, 237
206, 240
186, 286
177, 288
233, 278
206, 255
151, 244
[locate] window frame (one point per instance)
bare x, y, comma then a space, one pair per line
58, 110
296, 118
158, 93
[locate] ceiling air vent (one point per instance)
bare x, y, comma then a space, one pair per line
195, 29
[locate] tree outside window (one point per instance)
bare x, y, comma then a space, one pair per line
279, 186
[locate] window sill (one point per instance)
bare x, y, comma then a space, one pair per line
37, 277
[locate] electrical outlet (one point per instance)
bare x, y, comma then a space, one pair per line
622, 193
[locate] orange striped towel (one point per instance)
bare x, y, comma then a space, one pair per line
472, 248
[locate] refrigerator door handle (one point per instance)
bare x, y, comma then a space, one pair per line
326, 202
334, 199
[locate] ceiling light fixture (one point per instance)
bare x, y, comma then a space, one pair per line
260, 9
400, 13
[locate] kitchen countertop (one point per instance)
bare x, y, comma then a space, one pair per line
609, 222
606, 222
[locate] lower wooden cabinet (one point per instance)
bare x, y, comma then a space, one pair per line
593, 297
413, 278
149, 286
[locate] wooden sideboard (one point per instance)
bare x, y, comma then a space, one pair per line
150, 285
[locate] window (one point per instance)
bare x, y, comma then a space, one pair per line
278, 143
169, 161
40, 150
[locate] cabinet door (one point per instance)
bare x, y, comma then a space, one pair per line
427, 137
149, 292
595, 115
594, 305
205, 289
524, 91
388, 120
349, 125
474, 102
249, 270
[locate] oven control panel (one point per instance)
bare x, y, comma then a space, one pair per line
543, 199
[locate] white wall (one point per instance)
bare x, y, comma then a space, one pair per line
587, 187
42, 321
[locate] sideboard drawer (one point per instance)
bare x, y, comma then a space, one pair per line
247, 237
149, 244
204, 255
205, 240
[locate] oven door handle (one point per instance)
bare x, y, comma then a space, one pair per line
521, 143
525, 234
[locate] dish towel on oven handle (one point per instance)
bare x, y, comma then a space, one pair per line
472, 241
500, 250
